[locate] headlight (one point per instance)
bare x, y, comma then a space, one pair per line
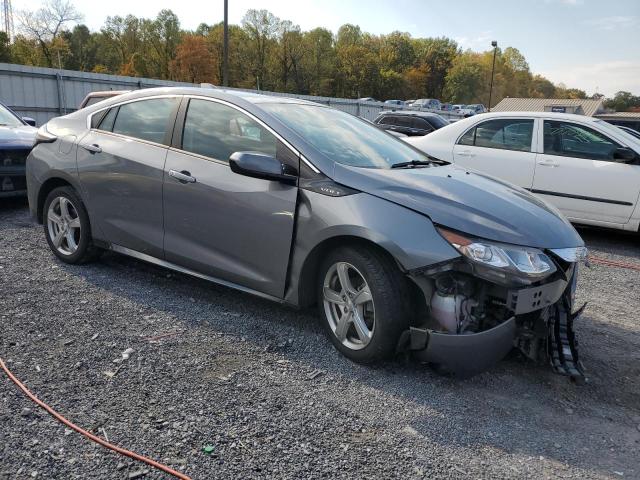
519, 260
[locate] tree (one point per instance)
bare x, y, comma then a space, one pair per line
46, 24
164, 36
541, 88
465, 80
623, 101
5, 50
193, 62
261, 27
319, 62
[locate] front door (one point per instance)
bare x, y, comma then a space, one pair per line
500, 147
578, 172
120, 166
219, 223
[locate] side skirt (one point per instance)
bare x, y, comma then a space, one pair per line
163, 263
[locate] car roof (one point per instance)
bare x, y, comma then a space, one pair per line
220, 93
412, 113
556, 115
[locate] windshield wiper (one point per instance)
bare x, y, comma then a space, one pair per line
412, 164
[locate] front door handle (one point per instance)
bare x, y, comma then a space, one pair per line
183, 176
466, 153
93, 148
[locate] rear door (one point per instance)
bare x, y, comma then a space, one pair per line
121, 164
578, 172
219, 223
502, 147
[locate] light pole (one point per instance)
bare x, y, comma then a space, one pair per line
225, 46
494, 44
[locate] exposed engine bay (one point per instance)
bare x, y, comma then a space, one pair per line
472, 320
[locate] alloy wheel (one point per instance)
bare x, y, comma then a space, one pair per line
63, 223
348, 305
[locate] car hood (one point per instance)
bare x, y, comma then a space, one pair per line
17, 137
467, 201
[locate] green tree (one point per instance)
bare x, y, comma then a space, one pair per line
623, 101
261, 27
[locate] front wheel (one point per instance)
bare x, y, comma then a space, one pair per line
363, 303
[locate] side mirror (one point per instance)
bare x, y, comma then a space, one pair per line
29, 121
260, 165
625, 155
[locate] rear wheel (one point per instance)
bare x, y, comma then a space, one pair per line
67, 228
362, 298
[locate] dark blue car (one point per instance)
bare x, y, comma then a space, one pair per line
17, 136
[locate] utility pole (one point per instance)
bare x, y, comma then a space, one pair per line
494, 44
225, 46
7, 18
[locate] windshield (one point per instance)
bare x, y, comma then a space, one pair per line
8, 119
614, 130
343, 137
438, 121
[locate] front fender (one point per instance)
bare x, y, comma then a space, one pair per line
409, 237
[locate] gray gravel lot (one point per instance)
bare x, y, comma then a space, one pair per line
212, 366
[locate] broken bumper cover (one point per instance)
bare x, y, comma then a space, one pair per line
468, 354
464, 355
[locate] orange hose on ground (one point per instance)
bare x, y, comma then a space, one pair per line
613, 263
89, 435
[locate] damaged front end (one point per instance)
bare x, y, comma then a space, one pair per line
493, 298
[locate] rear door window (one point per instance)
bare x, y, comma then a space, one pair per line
145, 119
573, 140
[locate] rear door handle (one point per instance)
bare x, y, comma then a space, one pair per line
183, 176
93, 148
548, 163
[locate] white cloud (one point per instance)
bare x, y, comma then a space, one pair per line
480, 42
605, 77
612, 23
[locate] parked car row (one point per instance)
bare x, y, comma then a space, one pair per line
432, 104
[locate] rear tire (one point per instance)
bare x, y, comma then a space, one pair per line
67, 228
363, 300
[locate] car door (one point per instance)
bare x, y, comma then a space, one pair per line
501, 147
121, 165
577, 170
217, 222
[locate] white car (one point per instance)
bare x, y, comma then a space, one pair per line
463, 110
586, 167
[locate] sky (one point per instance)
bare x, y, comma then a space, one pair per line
593, 45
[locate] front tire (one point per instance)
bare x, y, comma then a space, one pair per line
67, 227
362, 296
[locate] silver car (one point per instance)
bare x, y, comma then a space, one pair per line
303, 204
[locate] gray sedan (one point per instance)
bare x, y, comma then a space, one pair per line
303, 204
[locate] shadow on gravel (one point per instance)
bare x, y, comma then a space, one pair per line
517, 407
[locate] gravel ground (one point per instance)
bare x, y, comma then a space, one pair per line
262, 385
